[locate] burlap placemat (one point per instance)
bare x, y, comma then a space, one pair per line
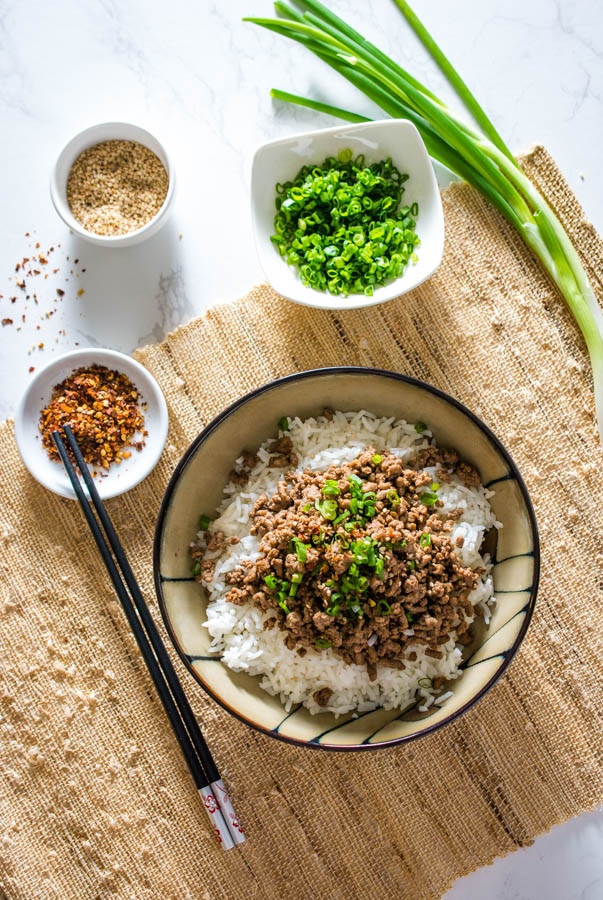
95, 800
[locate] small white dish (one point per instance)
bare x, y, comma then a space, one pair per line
109, 131
280, 161
119, 478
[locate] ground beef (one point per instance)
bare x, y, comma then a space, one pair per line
355, 557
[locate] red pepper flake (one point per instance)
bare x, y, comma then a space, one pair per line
38, 245
36, 272
32, 368
54, 271
60, 292
41, 344
101, 406
21, 284
17, 267
80, 292
76, 261
7, 321
42, 259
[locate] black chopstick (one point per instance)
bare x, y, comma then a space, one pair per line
196, 752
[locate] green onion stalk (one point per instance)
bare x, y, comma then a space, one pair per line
474, 152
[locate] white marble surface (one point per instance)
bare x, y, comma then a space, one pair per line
200, 78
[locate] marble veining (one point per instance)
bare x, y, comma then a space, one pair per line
200, 78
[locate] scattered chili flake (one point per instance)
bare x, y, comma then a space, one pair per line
32, 368
80, 292
101, 406
76, 261
7, 321
37, 245
60, 292
41, 344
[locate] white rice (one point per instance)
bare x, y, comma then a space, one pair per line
237, 631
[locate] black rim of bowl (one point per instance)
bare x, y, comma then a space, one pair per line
317, 373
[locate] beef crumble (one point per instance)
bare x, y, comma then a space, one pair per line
357, 558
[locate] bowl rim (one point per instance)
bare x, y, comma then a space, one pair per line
306, 296
63, 210
111, 358
313, 373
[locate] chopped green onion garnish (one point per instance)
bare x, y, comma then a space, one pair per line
410, 617
411, 564
429, 499
327, 508
283, 424
435, 486
196, 567
341, 518
271, 581
307, 508
379, 566
333, 609
420, 427
284, 607
331, 488
425, 540
323, 643
204, 523
296, 580
300, 549
384, 607
377, 459
393, 497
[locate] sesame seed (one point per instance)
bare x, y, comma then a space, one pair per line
116, 187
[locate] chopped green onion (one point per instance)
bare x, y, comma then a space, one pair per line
425, 540
435, 486
196, 567
411, 564
327, 508
384, 607
271, 581
429, 499
410, 617
307, 508
380, 562
204, 523
341, 518
296, 580
333, 609
420, 427
393, 497
300, 549
331, 488
284, 607
323, 643
283, 424
377, 459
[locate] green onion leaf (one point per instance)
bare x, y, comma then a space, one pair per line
307, 508
204, 523
411, 564
284, 607
429, 499
393, 497
384, 607
410, 617
425, 540
283, 424
323, 643
327, 508
420, 427
300, 549
271, 582
377, 459
196, 567
330, 488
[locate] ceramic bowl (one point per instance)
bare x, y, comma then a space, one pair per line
196, 486
280, 161
109, 131
120, 478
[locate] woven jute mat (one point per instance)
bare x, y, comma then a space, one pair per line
95, 801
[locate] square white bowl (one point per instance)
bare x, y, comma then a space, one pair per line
280, 161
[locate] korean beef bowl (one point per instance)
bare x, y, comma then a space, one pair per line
346, 559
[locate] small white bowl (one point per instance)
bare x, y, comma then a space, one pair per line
119, 478
109, 131
280, 161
